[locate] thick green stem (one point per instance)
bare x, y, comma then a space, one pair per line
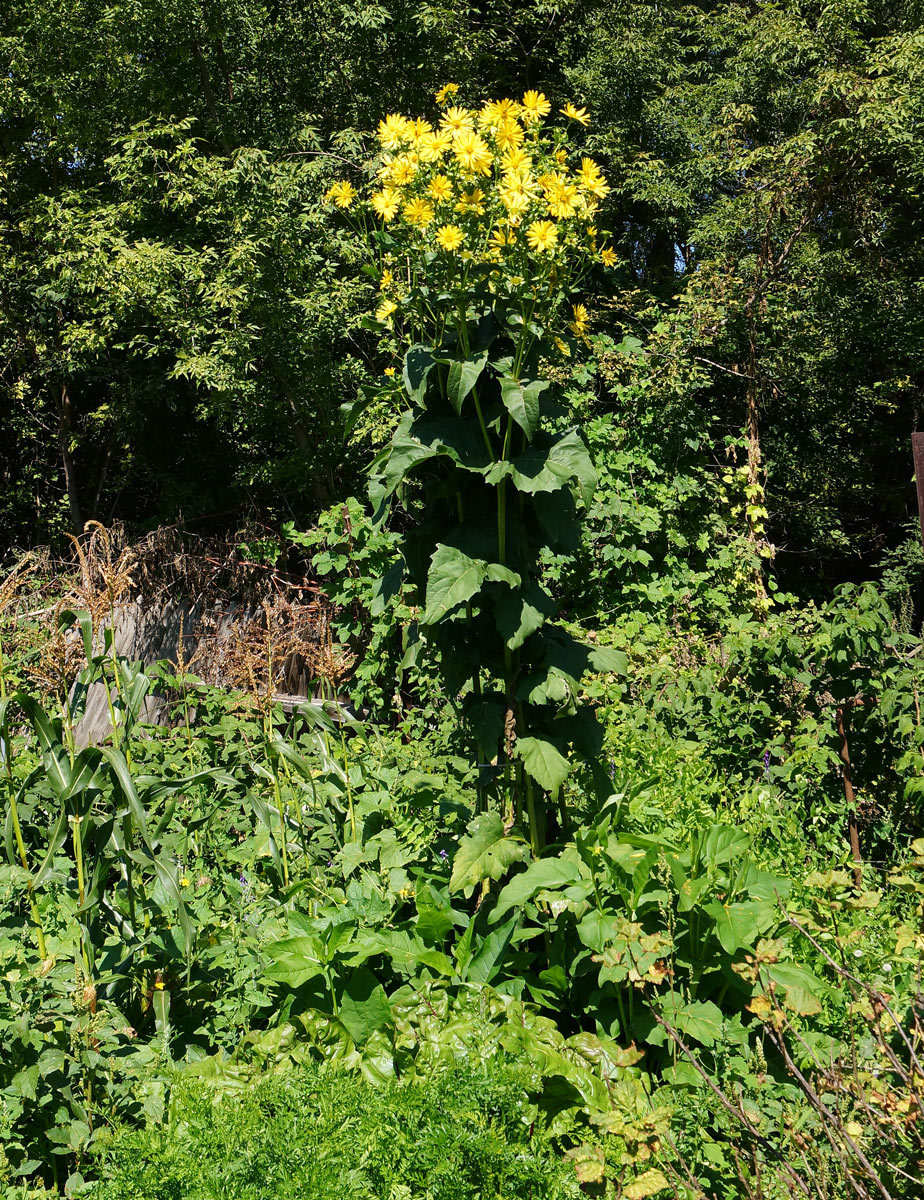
77, 838
21, 849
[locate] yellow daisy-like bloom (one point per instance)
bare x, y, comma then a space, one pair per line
489, 117
561, 157
402, 172
560, 196
393, 131
386, 204
472, 153
389, 371
386, 281
342, 193
542, 236
447, 90
587, 204
508, 135
440, 188
534, 107
592, 180
184, 882
449, 237
516, 159
508, 110
581, 322
418, 130
471, 202
455, 120
502, 237
575, 114
608, 257
386, 310
522, 178
434, 145
419, 212
515, 200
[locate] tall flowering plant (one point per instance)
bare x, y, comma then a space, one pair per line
480, 227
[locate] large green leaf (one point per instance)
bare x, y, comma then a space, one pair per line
739, 925
522, 401
405, 454
700, 1019
545, 875
486, 853
571, 454
418, 363
294, 961
520, 614
801, 986
486, 961
544, 762
530, 472
454, 578
408, 954
463, 375
364, 1007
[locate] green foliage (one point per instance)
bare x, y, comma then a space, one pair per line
317, 1134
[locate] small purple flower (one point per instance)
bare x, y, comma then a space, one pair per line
443, 854
766, 764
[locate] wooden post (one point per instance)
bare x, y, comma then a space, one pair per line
917, 450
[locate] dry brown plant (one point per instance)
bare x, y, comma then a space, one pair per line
105, 564
274, 652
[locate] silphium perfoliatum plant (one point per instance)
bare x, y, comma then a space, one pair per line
480, 231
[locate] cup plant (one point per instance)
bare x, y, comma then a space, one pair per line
479, 229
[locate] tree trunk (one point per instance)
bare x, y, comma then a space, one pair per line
65, 430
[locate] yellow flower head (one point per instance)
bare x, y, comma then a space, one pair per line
447, 90
592, 180
419, 212
386, 281
515, 200
472, 153
385, 204
449, 237
389, 371
434, 145
575, 114
508, 135
581, 322
561, 157
440, 188
386, 310
455, 120
184, 882
503, 237
534, 107
489, 117
516, 159
560, 196
402, 171
608, 257
342, 193
542, 236
159, 985
393, 131
471, 202
418, 130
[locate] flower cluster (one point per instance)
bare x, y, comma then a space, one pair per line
492, 195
